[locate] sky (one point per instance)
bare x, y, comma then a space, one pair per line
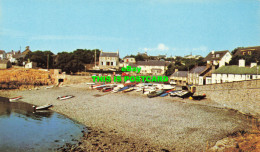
165, 27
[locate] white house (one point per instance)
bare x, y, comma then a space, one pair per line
236, 73
2, 54
30, 65
108, 60
218, 58
128, 60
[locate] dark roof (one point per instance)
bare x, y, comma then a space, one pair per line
198, 69
19, 56
217, 55
234, 69
245, 49
180, 74
2, 51
108, 54
128, 57
150, 63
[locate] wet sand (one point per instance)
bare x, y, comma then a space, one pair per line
133, 122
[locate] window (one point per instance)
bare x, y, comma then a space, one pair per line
217, 55
112, 63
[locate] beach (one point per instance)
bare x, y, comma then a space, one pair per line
133, 122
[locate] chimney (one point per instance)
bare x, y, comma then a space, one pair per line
241, 63
253, 64
213, 51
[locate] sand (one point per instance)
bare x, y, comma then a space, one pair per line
133, 122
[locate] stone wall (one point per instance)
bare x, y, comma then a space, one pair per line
243, 96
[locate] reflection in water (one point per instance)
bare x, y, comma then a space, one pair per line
22, 129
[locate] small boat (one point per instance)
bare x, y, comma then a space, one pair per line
124, 88
49, 87
175, 93
155, 93
65, 97
198, 97
184, 94
164, 94
106, 89
45, 107
15, 99
128, 90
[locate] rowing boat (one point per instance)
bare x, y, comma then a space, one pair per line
44, 107
65, 97
15, 99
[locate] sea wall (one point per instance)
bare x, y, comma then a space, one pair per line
243, 96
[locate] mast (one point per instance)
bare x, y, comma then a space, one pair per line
95, 57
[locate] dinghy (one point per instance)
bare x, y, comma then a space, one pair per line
45, 107
15, 99
65, 97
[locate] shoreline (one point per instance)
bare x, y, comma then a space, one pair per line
138, 129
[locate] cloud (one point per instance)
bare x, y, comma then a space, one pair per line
160, 47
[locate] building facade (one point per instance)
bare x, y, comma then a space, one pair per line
218, 58
108, 60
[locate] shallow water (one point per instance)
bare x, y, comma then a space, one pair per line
23, 130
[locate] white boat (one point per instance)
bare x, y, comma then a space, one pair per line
65, 97
49, 87
45, 107
15, 99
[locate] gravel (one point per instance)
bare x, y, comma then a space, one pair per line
162, 123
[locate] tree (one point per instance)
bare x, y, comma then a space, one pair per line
41, 58
74, 61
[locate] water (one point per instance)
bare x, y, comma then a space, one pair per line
23, 130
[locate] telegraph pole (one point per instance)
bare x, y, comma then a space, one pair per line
48, 61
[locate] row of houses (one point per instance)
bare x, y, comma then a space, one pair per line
110, 61
12, 57
216, 70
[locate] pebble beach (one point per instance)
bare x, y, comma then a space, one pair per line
133, 122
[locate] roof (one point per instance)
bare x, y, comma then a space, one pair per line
108, 54
198, 69
234, 69
242, 49
216, 55
19, 56
128, 57
180, 74
150, 63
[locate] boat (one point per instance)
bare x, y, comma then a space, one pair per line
155, 93
107, 89
184, 94
175, 93
198, 97
128, 90
65, 97
124, 88
45, 107
15, 99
